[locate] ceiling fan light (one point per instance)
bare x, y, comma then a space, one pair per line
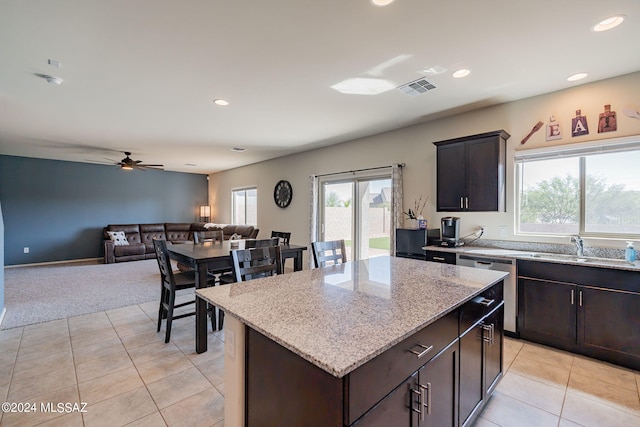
126, 167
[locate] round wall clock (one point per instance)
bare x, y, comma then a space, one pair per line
282, 193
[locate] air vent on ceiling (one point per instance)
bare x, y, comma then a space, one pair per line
416, 87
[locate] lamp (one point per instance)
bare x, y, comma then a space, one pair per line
205, 213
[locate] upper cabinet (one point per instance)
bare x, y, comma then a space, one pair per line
471, 173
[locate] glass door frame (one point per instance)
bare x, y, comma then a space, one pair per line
355, 178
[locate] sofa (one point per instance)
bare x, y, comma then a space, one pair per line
137, 242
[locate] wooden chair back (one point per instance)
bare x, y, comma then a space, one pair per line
328, 252
258, 262
162, 256
261, 243
208, 236
284, 235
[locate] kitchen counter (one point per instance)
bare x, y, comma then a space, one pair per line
618, 264
340, 317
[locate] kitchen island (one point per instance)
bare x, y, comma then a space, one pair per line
351, 344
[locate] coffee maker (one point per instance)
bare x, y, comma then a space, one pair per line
450, 230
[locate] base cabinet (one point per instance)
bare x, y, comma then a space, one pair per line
419, 382
587, 310
480, 364
431, 392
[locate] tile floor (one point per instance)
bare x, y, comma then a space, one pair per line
116, 363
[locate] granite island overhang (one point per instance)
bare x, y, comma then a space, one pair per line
338, 318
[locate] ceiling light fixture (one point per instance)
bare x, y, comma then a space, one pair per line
50, 79
609, 23
381, 3
238, 149
463, 72
578, 76
221, 102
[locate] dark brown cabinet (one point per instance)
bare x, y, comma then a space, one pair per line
471, 173
587, 310
417, 382
480, 364
439, 256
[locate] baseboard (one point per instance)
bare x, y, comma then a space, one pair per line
67, 261
4, 311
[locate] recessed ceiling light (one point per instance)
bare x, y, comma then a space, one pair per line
222, 102
381, 2
609, 23
190, 164
50, 79
578, 76
461, 73
238, 149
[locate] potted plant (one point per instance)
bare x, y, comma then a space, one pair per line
415, 214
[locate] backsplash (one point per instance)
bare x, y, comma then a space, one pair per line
568, 249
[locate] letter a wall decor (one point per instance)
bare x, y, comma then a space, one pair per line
579, 125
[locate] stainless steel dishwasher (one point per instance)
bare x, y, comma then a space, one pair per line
510, 290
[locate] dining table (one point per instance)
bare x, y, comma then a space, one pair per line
206, 256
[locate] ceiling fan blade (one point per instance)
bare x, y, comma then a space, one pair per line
150, 166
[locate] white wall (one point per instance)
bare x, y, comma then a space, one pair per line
413, 146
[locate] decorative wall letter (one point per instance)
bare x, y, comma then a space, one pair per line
553, 129
579, 125
607, 120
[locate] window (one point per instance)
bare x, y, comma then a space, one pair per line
589, 189
244, 206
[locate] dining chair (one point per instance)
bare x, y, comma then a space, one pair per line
254, 263
171, 283
261, 243
332, 251
208, 236
285, 238
284, 235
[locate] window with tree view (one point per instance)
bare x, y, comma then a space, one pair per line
594, 193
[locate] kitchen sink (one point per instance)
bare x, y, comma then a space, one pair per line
587, 260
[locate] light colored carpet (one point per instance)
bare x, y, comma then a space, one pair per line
42, 293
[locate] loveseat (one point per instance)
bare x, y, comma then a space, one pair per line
138, 238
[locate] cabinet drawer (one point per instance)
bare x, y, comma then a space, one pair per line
371, 382
480, 306
444, 257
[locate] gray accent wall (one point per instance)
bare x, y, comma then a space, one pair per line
58, 209
1, 263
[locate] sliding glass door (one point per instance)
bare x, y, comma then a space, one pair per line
357, 209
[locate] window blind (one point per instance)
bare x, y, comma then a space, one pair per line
616, 145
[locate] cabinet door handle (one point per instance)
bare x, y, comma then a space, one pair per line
486, 302
420, 402
486, 338
438, 258
580, 298
425, 349
572, 297
425, 400
461, 205
466, 203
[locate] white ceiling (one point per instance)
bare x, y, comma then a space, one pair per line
141, 75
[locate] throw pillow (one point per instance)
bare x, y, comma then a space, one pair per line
118, 238
235, 236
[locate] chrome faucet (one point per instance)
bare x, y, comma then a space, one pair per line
579, 244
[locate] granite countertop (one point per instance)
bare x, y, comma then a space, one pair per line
618, 264
340, 317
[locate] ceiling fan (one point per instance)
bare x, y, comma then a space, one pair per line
129, 164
